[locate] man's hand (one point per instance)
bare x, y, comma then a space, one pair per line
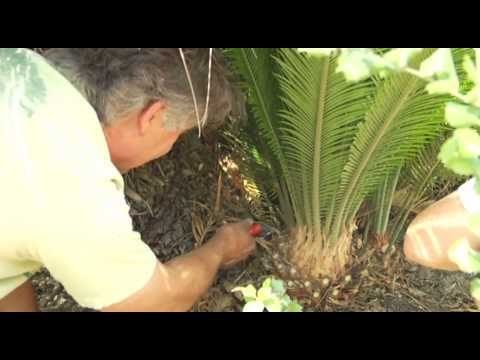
236, 242
178, 284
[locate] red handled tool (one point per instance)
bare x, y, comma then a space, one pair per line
261, 231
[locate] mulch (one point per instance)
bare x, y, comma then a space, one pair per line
177, 202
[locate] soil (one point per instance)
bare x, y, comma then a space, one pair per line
178, 202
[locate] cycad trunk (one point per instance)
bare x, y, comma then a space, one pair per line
316, 257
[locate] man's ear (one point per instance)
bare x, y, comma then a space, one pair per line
147, 115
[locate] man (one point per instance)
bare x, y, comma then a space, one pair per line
70, 123
430, 237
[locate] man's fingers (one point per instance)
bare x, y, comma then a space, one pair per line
236, 261
242, 256
247, 223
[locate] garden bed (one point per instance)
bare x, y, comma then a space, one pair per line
177, 203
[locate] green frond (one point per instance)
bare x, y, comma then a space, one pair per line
415, 176
320, 113
458, 56
255, 169
257, 68
424, 180
419, 176
381, 204
395, 130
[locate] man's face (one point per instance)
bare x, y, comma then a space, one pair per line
140, 138
156, 142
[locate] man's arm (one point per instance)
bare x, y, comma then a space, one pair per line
432, 233
178, 284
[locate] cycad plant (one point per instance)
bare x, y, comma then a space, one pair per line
327, 145
417, 183
407, 192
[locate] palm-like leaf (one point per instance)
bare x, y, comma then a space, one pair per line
257, 69
381, 203
395, 130
418, 177
320, 116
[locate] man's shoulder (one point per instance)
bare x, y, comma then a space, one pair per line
27, 74
55, 122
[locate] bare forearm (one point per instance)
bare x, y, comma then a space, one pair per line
179, 284
193, 274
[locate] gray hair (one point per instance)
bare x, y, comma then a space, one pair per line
118, 81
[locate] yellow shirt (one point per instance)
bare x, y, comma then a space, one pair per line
61, 199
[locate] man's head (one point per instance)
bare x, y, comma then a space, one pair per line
143, 96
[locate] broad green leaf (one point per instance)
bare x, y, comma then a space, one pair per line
473, 96
439, 64
321, 52
400, 57
359, 64
294, 307
254, 306
249, 293
475, 289
278, 287
264, 294
468, 142
460, 152
464, 256
273, 305
441, 68
464, 167
458, 115
286, 300
447, 86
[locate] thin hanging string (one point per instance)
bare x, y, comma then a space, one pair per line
200, 122
207, 101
